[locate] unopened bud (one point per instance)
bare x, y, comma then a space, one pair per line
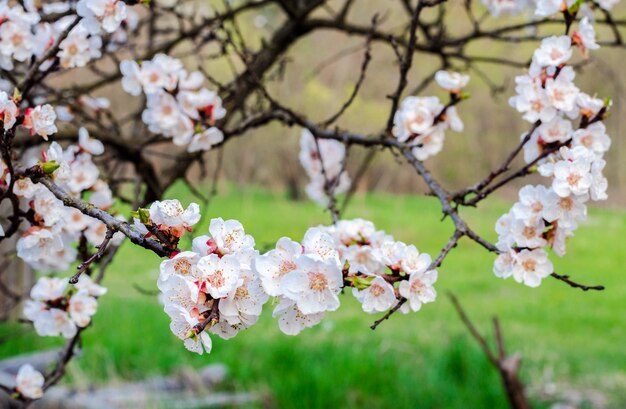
50, 166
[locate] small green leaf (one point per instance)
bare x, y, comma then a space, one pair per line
360, 283
17, 95
144, 215
573, 9
49, 167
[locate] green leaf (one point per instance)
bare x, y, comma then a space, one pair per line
144, 215
573, 9
49, 167
360, 283
17, 95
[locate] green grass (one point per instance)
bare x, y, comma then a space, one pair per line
424, 359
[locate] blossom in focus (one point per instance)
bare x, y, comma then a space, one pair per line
378, 297
171, 216
419, 289
40, 120
571, 157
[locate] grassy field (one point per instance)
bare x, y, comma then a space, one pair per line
422, 360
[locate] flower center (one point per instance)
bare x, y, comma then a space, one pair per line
285, 267
573, 179
182, 266
242, 292
417, 286
537, 105
555, 54
529, 232
317, 281
557, 95
586, 140
216, 280
16, 39
529, 265
377, 290
537, 207
566, 203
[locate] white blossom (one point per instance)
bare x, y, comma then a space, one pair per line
291, 320
451, 81
566, 210
505, 263
313, 285
29, 382
415, 116
419, 289
378, 297
40, 120
101, 14
170, 215
593, 137
181, 326
220, 275
8, 111
562, 92
586, 36
81, 308
531, 267
86, 285
572, 177
205, 140
553, 51
229, 236
532, 202
275, 264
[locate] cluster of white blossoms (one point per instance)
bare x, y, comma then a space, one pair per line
307, 277
324, 162
178, 106
29, 382
23, 33
421, 122
221, 285
101, 15
48, 243
570, 155
214, 281
55, 308
545, 8
39, 120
